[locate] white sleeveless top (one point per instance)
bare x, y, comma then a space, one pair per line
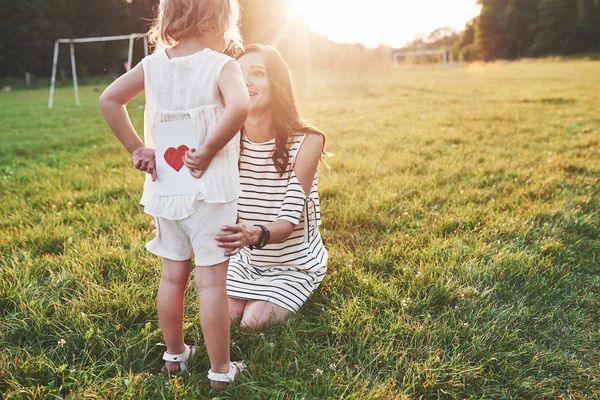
185, 88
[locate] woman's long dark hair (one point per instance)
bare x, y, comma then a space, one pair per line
286, 117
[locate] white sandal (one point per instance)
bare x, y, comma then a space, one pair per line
182, 359
235, 368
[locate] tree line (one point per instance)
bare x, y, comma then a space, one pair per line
504, 29
28, 29
510, 29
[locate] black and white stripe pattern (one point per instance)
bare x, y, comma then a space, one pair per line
283, 273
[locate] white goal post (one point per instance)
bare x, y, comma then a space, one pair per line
132, 37
446, 55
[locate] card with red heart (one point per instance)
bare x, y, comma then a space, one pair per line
172, 140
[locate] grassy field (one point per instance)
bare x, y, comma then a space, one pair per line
461, 212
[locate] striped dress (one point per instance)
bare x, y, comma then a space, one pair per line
283, 273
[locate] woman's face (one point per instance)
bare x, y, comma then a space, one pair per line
257, 80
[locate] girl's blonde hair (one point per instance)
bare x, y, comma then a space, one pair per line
177, 19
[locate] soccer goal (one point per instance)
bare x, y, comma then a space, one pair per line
72, 42
446, 56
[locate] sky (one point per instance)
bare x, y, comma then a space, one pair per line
390, 22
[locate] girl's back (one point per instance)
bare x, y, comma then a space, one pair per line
181, 84
185, 89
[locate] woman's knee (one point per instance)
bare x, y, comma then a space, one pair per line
236, 309
251, 324
257, 323
260, 314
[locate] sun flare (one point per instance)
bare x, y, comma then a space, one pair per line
390, 22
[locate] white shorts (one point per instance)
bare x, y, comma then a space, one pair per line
194, 235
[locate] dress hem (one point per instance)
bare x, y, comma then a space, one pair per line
170, 216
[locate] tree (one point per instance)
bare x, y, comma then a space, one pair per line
23, 36
557, 29
29, 28
589, 21
464, 47
440, 39
518, 27
488, 29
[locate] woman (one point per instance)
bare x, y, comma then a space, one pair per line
277, 254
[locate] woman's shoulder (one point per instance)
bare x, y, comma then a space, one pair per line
308, 150
308, 141
314, 138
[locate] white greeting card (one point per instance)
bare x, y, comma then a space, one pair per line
172, 140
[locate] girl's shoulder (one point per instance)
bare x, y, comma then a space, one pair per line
161, 56
154, 58
221, 56
158, 54
219, 59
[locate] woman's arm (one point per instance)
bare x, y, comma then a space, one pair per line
237, 236
237, 103
307, 161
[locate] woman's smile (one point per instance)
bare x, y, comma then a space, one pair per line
257, 81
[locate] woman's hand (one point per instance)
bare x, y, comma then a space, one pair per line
144, 160
198, 161
236, 237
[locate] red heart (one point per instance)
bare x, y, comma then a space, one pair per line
174, 156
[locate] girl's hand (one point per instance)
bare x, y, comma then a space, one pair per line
198, 161
236, 237
154, 228
144, 160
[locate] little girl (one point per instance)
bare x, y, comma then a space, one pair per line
196, 103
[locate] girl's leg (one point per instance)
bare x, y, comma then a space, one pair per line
169, 302
259, 314
236, 308
214, 316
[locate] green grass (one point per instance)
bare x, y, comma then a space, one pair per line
461, 212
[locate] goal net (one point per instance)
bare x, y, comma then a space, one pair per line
132, 37
423, 57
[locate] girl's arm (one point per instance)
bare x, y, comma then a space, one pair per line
112, 102
237, 236
233, 88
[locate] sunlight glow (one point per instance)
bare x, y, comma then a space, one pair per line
390, 22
